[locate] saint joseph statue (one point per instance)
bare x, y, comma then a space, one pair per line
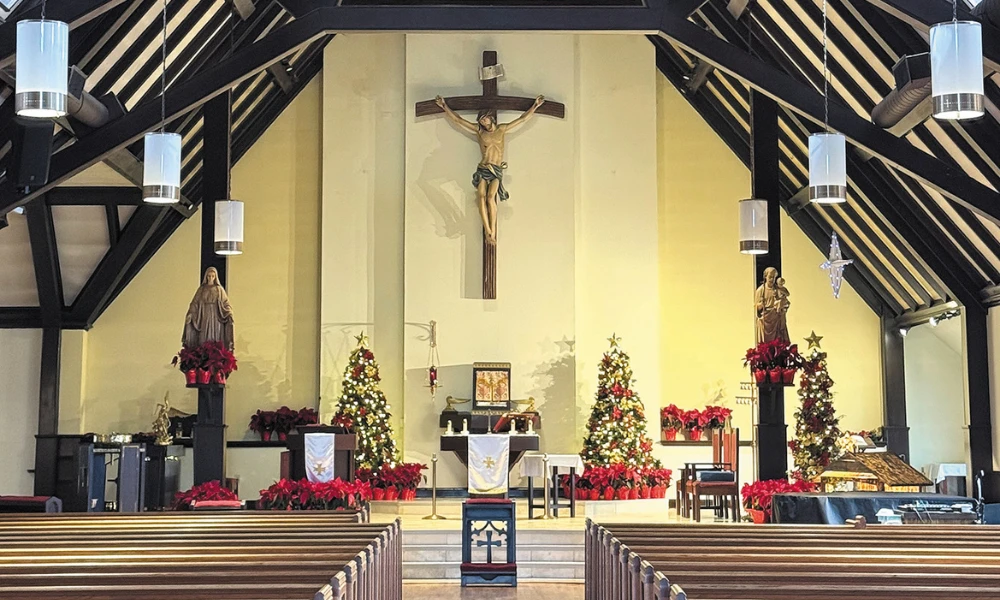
209, 317
488, 178
771, 305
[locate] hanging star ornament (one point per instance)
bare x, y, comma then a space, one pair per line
835, 265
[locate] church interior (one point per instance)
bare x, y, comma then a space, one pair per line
406, 299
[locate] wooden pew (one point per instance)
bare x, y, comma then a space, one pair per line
253, 556
638, 562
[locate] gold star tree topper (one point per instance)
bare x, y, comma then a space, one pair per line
362, 339
813, 340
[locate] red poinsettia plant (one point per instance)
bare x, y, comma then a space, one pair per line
670, 417
263, 423
337, 494
218, 358
306, 416
284, 420
188, 359
758, 496
208, 491
715, 417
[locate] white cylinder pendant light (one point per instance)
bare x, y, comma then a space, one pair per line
753, 226
957, 70
228, 227
42, 68
827, 168
161, 173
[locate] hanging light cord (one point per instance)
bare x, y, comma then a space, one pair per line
163, 74
826, 77
43, 10
954, 11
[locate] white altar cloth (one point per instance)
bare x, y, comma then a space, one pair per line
319, 456
938, 472
489, 458
532, 465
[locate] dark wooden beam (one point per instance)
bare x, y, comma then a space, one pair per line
75, 13
210, 430
804, 100
977, 377
114, 225
216, 179
247, 62
922, 14
765, 177
686, 7
126, 164
46, 261
867, 286
94, 196
99, 289
897, 433
48, 393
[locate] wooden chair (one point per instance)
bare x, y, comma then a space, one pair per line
718, 479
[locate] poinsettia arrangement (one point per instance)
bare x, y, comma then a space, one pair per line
620, 482
693, 419
207, 363
715, 417
759, 494
210, 490
337, 494
392, 482
776, 354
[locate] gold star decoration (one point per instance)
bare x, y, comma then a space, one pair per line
813, 340
489, 462
614, 339
362, 338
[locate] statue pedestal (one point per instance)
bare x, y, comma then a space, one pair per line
772, 434
210, 435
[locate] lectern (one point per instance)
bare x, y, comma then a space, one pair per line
345, 444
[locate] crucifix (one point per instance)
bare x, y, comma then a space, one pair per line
488, 177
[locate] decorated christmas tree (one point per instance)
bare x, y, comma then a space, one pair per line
617, 426
816, 431
363, 406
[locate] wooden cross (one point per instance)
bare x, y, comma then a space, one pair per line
490, 101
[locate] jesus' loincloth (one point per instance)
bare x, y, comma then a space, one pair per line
487, 173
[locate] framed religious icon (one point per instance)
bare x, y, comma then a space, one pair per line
490, 386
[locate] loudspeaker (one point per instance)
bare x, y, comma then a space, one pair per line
31, 151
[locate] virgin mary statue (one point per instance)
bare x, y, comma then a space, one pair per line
209, 318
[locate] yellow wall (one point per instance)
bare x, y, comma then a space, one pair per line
273, 288
20, 362
617, 222
707, 309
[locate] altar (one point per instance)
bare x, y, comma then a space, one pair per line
519, 444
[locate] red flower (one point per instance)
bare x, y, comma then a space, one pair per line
210, 490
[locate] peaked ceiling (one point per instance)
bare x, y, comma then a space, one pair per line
917, 243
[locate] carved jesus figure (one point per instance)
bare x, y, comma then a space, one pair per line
488, 178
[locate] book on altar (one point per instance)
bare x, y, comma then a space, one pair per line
320, 453
489, 456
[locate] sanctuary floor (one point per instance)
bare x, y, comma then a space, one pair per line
523, 591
